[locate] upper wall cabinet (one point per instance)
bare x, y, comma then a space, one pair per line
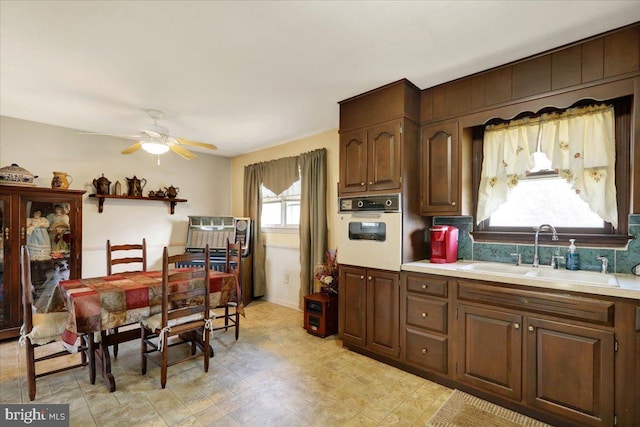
614, 55
440, 169
375, 148
370, 158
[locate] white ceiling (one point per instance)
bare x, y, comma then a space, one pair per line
247, 75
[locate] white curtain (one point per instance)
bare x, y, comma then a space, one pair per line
580, 143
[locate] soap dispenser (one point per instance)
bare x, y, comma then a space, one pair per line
572, 259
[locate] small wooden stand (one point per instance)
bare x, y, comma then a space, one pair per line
321, 314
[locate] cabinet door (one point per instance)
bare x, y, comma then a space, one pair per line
383, 312
490, 350
353, 305
353, 162
439, 169
9, 285
570, 371
383, 151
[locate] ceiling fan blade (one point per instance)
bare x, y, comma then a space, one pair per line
182, 152
133, 148
196, 144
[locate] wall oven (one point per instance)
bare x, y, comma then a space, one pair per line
370, 231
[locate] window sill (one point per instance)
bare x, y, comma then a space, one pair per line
280, 230
591, 240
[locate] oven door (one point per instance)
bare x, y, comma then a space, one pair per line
370, 239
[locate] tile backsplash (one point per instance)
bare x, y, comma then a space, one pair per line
620, 260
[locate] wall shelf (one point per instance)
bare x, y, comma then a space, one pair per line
102, 197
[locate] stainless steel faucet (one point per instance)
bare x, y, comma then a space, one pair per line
543, 227
605, 263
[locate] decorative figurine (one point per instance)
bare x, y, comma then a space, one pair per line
38, 240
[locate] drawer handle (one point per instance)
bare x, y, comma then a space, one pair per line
530, 328
516, 325
425, 286
423, 351
424, 314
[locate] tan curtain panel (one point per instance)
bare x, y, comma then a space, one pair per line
253, 209
280, 174
313, 217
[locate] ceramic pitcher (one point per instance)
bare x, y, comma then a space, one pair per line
136, 185
61, 180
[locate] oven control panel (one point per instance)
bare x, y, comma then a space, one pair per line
385, 203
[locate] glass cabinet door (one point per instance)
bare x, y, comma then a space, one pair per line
49, 236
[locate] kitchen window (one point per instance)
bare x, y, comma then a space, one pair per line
543, 194
281, 212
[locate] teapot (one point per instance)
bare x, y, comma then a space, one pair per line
136, 185
159, 193
172, 191
102, 185
60, 180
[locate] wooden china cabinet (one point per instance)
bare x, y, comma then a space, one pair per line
49, 222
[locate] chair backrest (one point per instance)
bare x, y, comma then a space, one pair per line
186, 292
123, 256
233, 263
27, 288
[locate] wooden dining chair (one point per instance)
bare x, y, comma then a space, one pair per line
233, 264
129, 253
40, 329
186, 316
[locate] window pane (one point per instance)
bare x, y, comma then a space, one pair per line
548, 200
293, 213
271, 214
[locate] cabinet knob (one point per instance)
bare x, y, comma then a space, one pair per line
362, 184
361, 277
516, 325
370, 182
424, 314
370, 278
425, 286
530, 328
423, 351
453, 203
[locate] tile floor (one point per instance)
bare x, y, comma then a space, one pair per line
276, 374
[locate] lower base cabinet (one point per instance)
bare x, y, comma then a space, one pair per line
369, 304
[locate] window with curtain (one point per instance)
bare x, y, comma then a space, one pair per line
281, 211
557, 168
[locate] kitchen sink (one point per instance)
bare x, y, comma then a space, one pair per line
580, 277
496, 267
545, 273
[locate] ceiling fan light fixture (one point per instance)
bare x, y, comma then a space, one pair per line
154, 147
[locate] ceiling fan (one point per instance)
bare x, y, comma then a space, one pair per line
155, 139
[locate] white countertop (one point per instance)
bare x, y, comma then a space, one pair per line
629, 285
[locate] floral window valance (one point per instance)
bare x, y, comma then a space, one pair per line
580, 142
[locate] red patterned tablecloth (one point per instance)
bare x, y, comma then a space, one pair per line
100, 303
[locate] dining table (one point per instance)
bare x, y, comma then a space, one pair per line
100, 305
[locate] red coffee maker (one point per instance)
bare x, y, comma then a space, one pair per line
444, 244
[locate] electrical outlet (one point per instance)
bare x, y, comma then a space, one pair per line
286, 277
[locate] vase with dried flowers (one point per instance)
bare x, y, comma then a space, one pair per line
326, 274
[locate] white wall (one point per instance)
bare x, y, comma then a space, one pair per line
205, 182
283, 275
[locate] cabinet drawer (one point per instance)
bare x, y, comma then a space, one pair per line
428, 285
426, 351
426, 313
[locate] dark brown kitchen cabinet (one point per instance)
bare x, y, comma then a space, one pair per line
567, 370
424, 323
490, 350
370, 158
49, 223
369, 310
440, 169
570, 371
